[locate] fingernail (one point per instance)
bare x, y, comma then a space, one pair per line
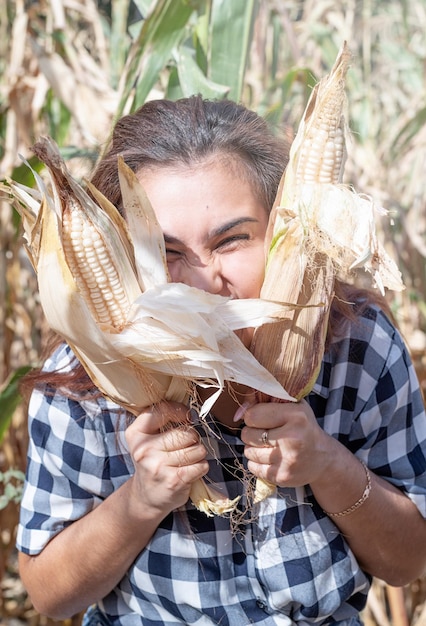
239, 413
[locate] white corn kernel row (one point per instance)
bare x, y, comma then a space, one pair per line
93, 270
321, 157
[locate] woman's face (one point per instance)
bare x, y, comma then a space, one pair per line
213, 225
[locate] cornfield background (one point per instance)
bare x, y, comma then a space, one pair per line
68, 68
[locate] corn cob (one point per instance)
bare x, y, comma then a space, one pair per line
140, 338
318, 230
93, 270
295, 268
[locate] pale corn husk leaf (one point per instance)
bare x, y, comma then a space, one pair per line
346, 226
179, 330
210, 500
263, 490
28, 197
23, 200
148, 243
292, 349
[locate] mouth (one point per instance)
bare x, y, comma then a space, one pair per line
245, 335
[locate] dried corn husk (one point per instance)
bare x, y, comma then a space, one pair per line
319, 229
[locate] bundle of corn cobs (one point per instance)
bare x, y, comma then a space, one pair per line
104, 285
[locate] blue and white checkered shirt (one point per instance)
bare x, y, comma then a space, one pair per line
288, 564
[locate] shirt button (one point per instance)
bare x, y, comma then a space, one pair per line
262, 605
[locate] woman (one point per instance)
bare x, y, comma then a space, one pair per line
106, 519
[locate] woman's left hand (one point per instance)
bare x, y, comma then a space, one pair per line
297, 452
293, 452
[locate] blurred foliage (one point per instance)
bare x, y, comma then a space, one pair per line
12, 482
10, 399
69, 68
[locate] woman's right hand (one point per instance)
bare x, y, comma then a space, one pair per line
168, 457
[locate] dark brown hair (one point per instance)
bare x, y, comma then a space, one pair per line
187, 132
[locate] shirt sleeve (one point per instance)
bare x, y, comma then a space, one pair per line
67, 469
397, 445
376, 405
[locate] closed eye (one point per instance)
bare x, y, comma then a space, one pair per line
229, 241
173, 254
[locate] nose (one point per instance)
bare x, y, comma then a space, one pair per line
206, 279
206, 276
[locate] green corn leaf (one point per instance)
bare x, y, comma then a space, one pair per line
119, 42
144, 6
231, 26
10, 398
162, 31
192, 80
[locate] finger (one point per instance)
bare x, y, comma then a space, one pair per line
187, 456
259, 437
270, 415
262, 456
263, 470
267, 415
180, 437
188, 474
156, 418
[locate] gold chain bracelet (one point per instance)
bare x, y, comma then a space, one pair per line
359, 502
